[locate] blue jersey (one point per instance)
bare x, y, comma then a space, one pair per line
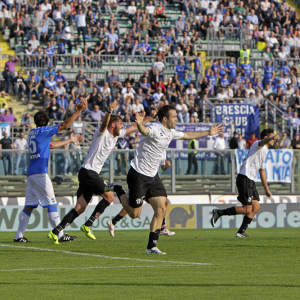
39, 146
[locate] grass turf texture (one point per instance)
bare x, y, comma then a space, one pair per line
266, 266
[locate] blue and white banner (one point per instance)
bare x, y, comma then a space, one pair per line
242, 118
4, 127
278, 164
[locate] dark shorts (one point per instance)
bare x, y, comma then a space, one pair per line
90, 183
143, 187
246, 189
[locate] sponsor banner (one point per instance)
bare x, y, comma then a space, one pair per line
173, 199
242, 118
181, 216
278, 164
269, 216
9, 218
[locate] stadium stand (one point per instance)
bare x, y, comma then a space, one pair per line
144, 54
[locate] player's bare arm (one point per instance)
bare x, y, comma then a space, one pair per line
214, 130
79, 108
72, 139
134, 127
264, 182
265, 141
139, 120
106, 119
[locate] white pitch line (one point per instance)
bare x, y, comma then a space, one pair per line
83, 268
109, 257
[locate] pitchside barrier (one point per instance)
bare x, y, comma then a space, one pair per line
184, 212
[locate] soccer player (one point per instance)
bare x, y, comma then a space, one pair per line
142, 178
39, 189
247, 193
90, 183
165, 164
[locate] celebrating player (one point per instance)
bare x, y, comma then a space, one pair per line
247, 193
90, 183
143, 180
39, 189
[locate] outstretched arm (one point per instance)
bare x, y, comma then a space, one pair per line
72, 139
134, 127
79, 108
214, 130
267, 140
106, 119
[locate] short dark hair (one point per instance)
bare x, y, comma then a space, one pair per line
164, 112
114, 118
41, 118
266, 132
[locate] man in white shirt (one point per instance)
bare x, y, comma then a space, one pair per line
220, 146
21, 145
143, 179
80, 19
90, 182
245, 182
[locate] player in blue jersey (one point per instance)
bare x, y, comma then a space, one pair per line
39, 189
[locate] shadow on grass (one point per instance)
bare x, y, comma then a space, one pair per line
134, 284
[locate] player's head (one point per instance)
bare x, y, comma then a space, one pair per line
115, 125
41, 119
266, 133
167, 115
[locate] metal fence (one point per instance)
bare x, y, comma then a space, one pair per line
216, 170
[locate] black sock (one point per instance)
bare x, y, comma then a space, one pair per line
99, 209
119, 190
68, 219
116, 219
153, 238
163, 225
230, 211
246, 222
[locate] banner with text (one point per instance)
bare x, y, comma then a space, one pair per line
278, 164
242, 118
270, 216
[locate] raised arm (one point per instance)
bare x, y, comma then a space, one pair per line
134, 127
268, 139
106, 119
139, 120
79, 108
214, 130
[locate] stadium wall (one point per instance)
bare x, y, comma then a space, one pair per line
184, 212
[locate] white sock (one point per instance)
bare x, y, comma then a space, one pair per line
23, 222
54, 221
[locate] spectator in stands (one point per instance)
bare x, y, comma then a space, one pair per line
251, 140
244, 53
242, 142
21, 145
9, 72
6, 144
234, 141
220, 146
97, 115
8, 117
80, 20
19, 85
285, 142
26, 121
182, 111
54, 111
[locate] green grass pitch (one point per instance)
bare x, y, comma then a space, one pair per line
266, 266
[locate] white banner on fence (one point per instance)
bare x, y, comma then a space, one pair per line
278, 164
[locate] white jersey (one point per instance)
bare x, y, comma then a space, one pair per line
254, 161
101, 147
148, 155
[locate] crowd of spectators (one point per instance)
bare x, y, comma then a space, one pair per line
87, 30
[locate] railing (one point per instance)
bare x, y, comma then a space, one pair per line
275, 116
215, 170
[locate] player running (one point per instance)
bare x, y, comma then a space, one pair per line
39, 189
143, 180
247, 193
90, 183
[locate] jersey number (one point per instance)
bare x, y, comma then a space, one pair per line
32, 146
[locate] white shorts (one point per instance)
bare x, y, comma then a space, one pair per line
39, 191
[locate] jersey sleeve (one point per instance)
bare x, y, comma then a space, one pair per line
177, 135
50, 130
153, 131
